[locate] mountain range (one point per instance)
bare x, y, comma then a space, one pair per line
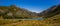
14, 12
54, 10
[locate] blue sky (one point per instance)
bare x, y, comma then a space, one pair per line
31, 5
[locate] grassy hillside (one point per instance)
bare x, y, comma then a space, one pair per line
7, 21
30, 23
14, 12
26, 23
52, 21
54, 10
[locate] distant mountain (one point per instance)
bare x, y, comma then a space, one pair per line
14, 12
50, 12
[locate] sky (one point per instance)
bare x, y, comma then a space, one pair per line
31, 5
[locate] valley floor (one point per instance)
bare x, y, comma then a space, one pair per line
53, 21
27, 23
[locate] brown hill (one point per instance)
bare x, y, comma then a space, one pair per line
14, 12
51, 11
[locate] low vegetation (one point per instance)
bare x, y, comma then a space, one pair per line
8, 17
14, 12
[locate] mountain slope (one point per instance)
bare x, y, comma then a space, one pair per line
52, 15
13, 12
51, 11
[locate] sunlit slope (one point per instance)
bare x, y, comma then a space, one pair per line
55, 20
52, 21
50, 12
27, 23
14, 12
7, 21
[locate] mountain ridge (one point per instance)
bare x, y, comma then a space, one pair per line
15, 12
51, 11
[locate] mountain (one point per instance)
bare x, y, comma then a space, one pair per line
51, 15
14, 12
54, 10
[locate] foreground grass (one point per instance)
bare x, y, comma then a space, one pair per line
7, 21
53, 21
27, 23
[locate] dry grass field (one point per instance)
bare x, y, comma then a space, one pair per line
53, 21
25, 23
